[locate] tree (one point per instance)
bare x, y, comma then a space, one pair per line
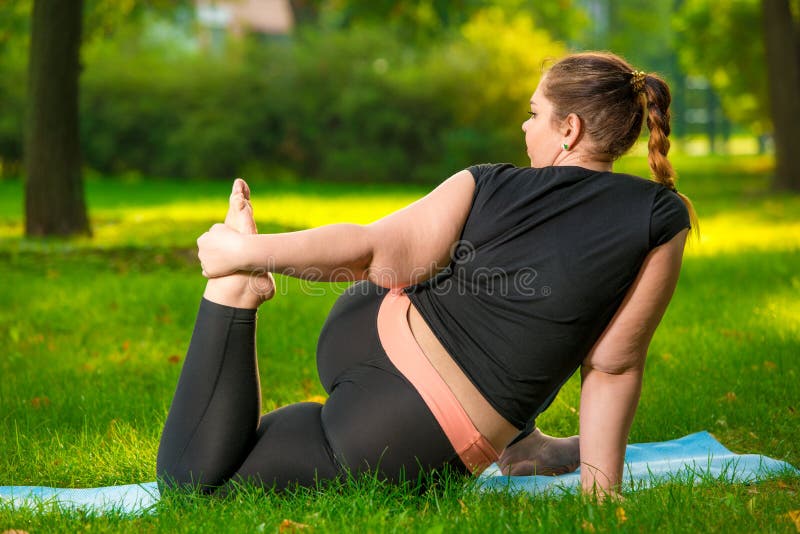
54, 202
428, 19
54, 197
725, 42
782, 44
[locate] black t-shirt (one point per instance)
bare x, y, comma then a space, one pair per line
545, 258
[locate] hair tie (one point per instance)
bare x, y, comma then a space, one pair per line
637, 81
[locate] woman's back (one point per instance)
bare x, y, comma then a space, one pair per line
544, 260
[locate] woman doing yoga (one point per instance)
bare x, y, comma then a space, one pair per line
470, 309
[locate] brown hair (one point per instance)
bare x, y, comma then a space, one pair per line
608, 96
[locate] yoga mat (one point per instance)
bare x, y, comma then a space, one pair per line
130, 498
696, 456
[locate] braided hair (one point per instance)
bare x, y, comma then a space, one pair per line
613, 100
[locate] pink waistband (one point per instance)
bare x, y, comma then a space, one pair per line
405, 353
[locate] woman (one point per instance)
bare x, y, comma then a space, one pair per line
473, 306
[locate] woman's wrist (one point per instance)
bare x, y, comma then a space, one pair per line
599, 485
247, 257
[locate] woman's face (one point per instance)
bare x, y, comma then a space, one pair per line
542, 138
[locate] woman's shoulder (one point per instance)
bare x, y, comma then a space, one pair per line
507, 174
480, 171
504, 171
668, 213
638, 181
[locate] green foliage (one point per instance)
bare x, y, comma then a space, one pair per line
723, 41
640, 30
12, 114
361, 104
429, 19
14, 29
355, 105
104, 23
358, 101
172, 119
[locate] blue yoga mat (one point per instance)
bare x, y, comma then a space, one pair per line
696, 456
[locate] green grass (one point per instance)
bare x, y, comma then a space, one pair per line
93, 331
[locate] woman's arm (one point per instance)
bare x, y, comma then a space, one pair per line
608, 404
339, 252
401, 249
612, 372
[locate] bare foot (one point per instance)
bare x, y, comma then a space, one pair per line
241, 290
240, 211
540, 454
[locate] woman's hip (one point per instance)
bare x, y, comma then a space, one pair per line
366, 334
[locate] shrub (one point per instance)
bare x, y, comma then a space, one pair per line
355, 105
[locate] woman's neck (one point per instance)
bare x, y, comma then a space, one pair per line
582, 160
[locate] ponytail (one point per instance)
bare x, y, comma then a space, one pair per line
613, 100
658, 100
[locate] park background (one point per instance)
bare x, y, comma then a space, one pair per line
123, 123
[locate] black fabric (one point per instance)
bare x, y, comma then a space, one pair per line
669, 216
373, 420
545, 258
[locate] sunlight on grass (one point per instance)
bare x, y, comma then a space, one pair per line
304, 211
782, 311
769, 226
737, 231
286, 209
181, 223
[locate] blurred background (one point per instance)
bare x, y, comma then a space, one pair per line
358, 91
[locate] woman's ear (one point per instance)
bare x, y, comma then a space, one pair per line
571, 129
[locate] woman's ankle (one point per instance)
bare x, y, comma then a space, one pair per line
233, 290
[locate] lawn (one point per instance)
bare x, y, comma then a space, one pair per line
93, 333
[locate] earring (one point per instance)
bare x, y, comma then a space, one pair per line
565, 146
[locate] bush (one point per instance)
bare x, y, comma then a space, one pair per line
355, 105
12, 116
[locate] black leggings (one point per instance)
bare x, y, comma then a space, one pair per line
374, 420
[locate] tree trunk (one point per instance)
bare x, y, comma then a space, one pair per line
54, 203
783, 71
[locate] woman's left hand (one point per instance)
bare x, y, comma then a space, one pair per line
220, 251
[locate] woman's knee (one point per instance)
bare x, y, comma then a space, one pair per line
185, 470
183, 478
292, 449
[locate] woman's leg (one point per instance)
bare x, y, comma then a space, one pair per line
373, 420
377, 422
211, 425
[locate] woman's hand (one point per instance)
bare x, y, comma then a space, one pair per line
220, 251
